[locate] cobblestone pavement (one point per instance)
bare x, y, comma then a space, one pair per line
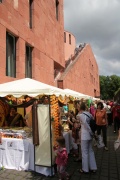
108, 163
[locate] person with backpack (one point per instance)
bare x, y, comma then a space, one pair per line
88, 157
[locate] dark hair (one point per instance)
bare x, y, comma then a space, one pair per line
107, 103
101, 104
83, 106
61, 141
26, 96
12, 107
72, 112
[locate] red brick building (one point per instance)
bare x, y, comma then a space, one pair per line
81, 71
32, 45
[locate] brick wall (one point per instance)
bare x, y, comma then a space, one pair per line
46, 37
69, 48
83, 76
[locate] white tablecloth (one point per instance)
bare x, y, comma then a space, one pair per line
68, 140
14, 153
18, 154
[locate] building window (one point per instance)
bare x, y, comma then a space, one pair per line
95, 93
30, 12
10, 55
57, 9
65, 37
60, 84
28, 62
69, 38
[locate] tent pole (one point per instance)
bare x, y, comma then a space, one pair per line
50, 135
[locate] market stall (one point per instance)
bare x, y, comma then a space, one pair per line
45, 126
36, 150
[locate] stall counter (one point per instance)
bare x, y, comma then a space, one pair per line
18, 154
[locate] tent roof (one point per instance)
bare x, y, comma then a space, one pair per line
76, 94
29, 87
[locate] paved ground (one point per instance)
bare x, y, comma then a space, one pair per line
108, 163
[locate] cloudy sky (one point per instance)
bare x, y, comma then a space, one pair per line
96, 22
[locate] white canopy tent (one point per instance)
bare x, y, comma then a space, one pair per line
95, 99
76, 94
43, 126
28, 87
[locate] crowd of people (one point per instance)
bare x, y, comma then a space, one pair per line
105, 114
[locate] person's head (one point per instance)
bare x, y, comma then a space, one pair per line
107, 103
100, 105
13, 110
92, 104
61, 141
83, 106
71, 113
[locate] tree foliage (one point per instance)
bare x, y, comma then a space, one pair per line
108, 86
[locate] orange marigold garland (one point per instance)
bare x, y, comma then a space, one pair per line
54, 117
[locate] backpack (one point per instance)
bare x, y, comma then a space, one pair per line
92, 124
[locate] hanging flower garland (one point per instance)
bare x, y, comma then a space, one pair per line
54, 116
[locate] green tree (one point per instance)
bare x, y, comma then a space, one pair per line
108, 86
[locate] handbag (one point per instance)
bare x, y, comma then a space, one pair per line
100, 143
103, 120
117, 144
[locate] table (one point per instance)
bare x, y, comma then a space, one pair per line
18, 154
14, 153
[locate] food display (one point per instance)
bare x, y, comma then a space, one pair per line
19, 133
11, 135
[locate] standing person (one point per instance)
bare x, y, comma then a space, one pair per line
88, 157
71, 119
92, 109
73, 132
101, 122
116, 116
61, 158
108, 111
